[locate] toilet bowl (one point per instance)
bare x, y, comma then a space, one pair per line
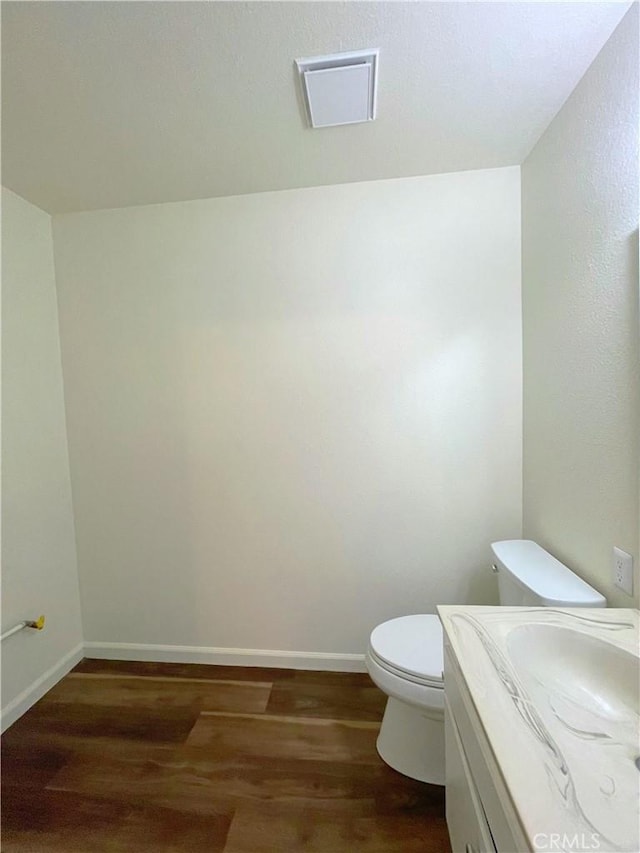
405, 656
405, 661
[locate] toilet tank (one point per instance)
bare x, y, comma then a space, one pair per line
529, 576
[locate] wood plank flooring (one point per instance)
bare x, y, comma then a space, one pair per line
143, 757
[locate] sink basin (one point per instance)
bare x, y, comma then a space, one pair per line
583, 695
596, 675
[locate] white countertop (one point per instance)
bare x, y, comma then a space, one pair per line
566, 754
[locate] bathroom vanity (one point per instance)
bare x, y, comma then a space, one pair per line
542, 729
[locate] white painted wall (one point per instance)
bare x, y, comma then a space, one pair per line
39, 572
580, 304
292, 415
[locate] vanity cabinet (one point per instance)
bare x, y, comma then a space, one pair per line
480, 816
541, 723
468, 826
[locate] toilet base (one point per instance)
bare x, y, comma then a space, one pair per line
412, 742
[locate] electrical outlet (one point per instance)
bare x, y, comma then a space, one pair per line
623, 570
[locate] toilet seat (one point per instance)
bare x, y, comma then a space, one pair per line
410, 647
435, 684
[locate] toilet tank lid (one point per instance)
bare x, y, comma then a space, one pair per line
547, 578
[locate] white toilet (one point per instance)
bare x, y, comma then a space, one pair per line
405, 656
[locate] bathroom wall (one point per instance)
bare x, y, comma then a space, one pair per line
39, 572
580, 305
291, 415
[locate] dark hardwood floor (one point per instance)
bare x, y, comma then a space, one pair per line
143, 757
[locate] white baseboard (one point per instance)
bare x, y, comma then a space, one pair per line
23, 701
226, 657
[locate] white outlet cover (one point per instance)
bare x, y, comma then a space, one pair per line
623, 570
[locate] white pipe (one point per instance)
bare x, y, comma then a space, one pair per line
38, 624
13, 630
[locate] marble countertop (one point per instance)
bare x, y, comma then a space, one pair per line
561, 716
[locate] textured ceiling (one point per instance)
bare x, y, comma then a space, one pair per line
114, 104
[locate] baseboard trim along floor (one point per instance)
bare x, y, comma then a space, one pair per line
30, 695
225, 657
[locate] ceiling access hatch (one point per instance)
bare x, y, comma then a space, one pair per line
339, 89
